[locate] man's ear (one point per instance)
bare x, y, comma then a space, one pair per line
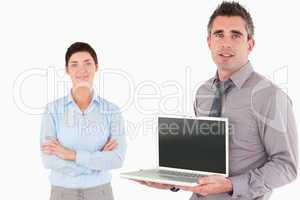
67, 69
97, 67
251, 44
208, 41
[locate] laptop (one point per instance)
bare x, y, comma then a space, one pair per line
188, 148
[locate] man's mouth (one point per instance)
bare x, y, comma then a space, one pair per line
226, 55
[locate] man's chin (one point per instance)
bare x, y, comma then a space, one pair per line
226, 66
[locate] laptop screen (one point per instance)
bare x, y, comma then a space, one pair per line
192, 144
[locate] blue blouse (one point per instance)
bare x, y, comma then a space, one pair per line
86, 133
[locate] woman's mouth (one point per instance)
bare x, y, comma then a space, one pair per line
82, 78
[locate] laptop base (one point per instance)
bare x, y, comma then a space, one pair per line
159, 176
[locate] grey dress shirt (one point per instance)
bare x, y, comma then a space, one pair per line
263, 151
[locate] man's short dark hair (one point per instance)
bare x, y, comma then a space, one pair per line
80, 47
232, 9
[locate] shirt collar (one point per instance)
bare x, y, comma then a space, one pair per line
70, 98
239, 77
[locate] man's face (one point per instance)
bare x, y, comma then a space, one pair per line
81, 69
228, 42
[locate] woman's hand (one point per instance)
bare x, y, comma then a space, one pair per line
110, 145
53, 147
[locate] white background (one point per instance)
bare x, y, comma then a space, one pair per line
157, 48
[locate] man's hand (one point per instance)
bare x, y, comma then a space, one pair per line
154, 184
110, 145
214, 184
53, 147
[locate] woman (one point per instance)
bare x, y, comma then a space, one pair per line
82, 135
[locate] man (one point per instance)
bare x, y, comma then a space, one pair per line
263, 135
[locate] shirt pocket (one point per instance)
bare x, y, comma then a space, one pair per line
239, 100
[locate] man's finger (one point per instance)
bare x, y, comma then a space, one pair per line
138, 181
187, 188
158, 185
203, 190
206, 180
196, 189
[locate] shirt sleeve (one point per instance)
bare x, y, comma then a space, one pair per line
278, 132
51, 161
106, 160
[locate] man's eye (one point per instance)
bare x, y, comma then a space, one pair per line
74, 65
236, 36
219, 35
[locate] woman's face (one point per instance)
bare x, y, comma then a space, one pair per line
81, 68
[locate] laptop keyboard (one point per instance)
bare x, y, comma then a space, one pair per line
182, 174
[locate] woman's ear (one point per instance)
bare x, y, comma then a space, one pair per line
67, 69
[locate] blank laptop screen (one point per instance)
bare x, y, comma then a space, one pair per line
192, 144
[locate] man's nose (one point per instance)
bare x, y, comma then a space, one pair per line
226, 42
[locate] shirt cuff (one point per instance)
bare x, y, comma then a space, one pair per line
239, 185
82, 158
